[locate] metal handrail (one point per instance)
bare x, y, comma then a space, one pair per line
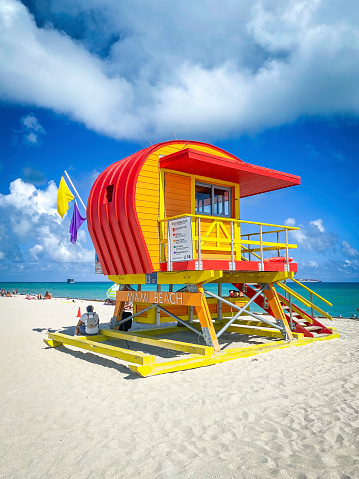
311, 291
223, 218
229, 242
304, 301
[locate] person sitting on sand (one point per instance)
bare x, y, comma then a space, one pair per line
88, 324
8, 294
47, 295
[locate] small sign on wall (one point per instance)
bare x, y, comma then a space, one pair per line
180, 236
98, 269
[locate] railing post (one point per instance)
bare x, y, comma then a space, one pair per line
261, 247
199, 243
169, 262
311, 308
278, 252
232, 247
286, 249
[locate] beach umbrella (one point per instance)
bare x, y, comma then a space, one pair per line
111, 292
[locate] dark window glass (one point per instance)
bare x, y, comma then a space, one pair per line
220, 202
212, 200
203, 199
108, 195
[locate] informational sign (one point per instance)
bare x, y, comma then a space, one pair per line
98, 269
180, 236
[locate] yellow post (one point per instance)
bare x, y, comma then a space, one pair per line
205, 320
274, 303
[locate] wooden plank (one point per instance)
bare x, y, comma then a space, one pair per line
136, 357
160, 343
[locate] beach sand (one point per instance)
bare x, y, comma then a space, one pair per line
67, 413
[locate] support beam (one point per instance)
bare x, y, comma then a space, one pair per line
205, 319
274, 303
136, 357
160, 343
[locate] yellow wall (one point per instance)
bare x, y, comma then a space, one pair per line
148, 189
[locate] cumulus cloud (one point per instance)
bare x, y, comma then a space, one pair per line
33, 234
313, 237
138, 70
319, 224
321, 253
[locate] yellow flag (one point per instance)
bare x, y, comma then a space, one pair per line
64, 195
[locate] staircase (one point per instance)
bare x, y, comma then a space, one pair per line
298, 320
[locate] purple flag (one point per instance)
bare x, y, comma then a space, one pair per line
76, 222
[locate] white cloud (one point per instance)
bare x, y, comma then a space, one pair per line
32, 123
32, 233
264, 63
35, 251
313, 237
347, 249
2, 255
319, 224
31, 131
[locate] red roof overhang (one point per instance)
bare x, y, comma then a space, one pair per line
252, 179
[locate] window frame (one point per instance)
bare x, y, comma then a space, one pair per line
213, 186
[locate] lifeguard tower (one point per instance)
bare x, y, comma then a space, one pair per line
169, 216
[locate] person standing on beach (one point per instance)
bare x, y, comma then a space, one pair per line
88, 323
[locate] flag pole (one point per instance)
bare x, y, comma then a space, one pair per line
75, 190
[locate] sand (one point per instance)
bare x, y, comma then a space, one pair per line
66, 413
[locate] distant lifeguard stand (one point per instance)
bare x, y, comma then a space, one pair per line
169, 216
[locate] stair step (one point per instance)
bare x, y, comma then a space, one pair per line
321, 335
312, 328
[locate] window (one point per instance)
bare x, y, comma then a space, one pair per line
108, 194
212, 200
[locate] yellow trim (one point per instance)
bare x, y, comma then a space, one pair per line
170, 277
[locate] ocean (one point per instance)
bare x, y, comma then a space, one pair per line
343, 296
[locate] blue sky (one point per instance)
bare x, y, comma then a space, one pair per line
86, 83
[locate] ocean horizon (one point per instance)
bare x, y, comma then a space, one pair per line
343, 296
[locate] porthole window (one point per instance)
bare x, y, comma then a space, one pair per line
212, 200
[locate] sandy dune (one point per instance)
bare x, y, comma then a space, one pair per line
66, 413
